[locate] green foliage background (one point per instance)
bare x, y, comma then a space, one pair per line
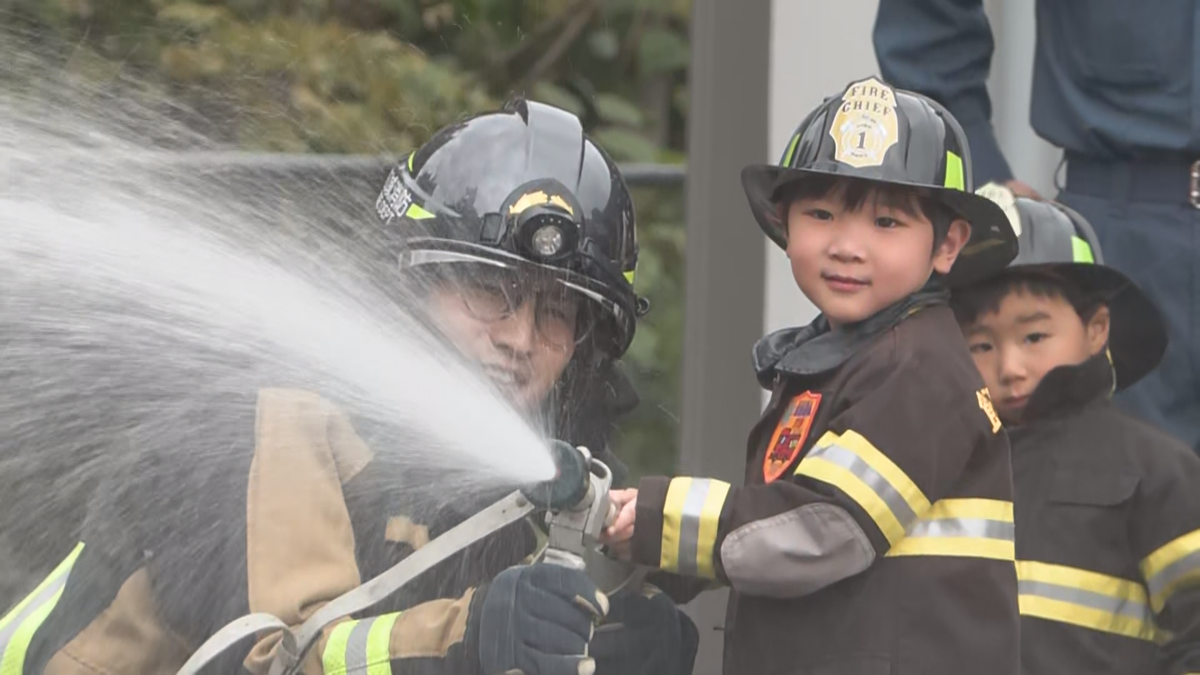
376, 76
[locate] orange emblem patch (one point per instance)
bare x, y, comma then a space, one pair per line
790, 435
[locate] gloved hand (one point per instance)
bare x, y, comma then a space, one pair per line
537, 620
645, 634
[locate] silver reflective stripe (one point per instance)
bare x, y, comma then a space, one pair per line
845, 458
45, 595
689, 526
976, 528
1077, 596
356, 646
1172, 573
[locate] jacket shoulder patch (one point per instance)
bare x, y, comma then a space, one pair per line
790, 435
984, 398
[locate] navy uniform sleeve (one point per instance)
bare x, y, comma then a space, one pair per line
1166, 534
901, 444
943, 49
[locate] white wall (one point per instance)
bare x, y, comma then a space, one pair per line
819, 47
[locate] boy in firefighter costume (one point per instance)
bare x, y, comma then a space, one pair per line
1107, 507
874, 531
520, 231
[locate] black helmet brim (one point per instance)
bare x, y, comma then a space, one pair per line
992, 245
1137, 336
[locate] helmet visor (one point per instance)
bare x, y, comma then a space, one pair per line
492, 289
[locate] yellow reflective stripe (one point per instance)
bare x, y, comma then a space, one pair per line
1172, 566
790, 152
954, 172
971, 508
333, 659
710, 519
691, 516
64, 567
852, 464
959, 547
361, 647
668, 558
1093, 582
18, 627
856, 489
1084, 617
13, 662
1081, 251
1084, 598
883, 464
417, 212
379, 645
976, 528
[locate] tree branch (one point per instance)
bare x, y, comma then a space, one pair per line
547, 27
560, 46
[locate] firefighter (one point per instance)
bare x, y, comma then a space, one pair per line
519, 232
883, 541
1107, 510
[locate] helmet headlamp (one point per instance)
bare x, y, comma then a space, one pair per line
547, 233
547, 240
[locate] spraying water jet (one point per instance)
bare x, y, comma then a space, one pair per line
249, 290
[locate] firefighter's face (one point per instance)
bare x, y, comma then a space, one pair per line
1028, 336
522, 331
851, 263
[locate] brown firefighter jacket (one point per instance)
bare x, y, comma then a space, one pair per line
874, 534
281, 509
1108, 534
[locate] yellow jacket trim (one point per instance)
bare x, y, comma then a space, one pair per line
1172, 566
360, 647
971, 509
1086, 599
19, 625
691, 515
852, 464
976, 528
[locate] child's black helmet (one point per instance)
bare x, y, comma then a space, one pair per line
522, 186
878, 133
1057, 238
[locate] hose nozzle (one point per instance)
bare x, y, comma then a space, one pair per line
569, 487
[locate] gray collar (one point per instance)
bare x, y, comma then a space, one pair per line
815, 348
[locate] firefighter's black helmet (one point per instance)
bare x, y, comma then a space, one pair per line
522, 187
1054, 237
875, 132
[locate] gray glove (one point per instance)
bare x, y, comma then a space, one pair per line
538, 620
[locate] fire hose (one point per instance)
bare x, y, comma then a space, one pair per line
577, 506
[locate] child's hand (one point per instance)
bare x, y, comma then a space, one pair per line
618, 536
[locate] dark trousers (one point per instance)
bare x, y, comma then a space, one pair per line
1150, 231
